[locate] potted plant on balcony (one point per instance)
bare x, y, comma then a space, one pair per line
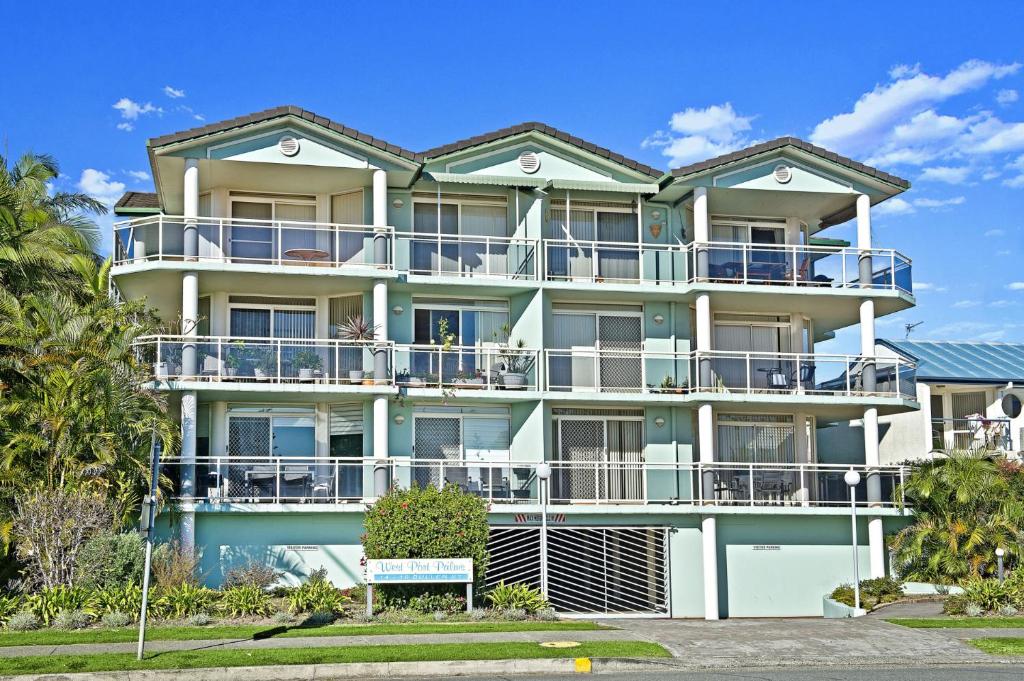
473, 380
357, 329
307, 362
368, 378
516, 363
668, 385
264, 363
235, 355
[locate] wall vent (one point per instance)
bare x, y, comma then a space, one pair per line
782, 174
289, 146
529, 162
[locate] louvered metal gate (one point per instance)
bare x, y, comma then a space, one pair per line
618, 571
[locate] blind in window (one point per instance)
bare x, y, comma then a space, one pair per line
347, 419
486, 439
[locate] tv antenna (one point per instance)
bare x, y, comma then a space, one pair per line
910, 327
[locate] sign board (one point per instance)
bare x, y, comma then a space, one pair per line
407, 570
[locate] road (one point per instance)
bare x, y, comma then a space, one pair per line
944, 673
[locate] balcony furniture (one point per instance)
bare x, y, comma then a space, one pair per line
296, 477
259, 481
322, 487
307, 254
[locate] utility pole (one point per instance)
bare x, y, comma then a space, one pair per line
154, 452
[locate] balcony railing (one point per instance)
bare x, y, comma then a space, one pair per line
466, 255
795, 265
285, 479
466, 367
614, 262
972, 433
265, 360
641, 371
806, 374
260, 242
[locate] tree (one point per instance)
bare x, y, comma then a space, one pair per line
965, 506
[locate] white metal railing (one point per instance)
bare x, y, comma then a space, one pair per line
643, 371
798, 265
266, 479
237, 240
463, 255
974, 432
466, 367
803, 373
264, 360
616, 262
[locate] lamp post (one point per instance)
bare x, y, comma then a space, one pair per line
543, 475
999, 562
852, 479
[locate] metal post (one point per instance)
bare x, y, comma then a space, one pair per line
469, 596
150, 523
369, 600
999, 562
856, 562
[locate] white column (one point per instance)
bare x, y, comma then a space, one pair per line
190, 280
709, 552
380, 321
701, 229
703, 333
380, 445
864, 238
876, 540
380, 216
218, 428
187, 535
190, 190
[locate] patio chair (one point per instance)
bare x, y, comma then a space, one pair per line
261, 481
296, 481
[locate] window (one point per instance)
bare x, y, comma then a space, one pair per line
346, 437
288, 318
462, 436
474, 324
271, 431
251, 240
589, 222
755, 438
473, 217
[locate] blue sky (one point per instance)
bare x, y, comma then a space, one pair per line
928, 91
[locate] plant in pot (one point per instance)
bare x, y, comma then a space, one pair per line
307, 362
471, 380
668, 385
235, 355
517, 363
264, 363
368, 378
357, 329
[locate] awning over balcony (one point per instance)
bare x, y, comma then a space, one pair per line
601, 186
498, 180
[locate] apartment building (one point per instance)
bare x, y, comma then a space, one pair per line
566, 332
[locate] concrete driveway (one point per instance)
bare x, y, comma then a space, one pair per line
792, 642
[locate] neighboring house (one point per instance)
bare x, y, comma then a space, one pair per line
532, 298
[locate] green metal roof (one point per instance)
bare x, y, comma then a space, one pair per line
963, 361
499, 180
604, 186
823, 241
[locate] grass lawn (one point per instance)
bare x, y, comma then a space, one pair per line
63, 664
960, 622
1000, 646
254, 631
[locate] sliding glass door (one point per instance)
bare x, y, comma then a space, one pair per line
602, 459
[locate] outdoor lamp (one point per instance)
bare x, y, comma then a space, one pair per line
852, 478
659, 421
398, 309
399, 419
543, 471
659, 319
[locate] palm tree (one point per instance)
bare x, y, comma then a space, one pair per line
41, 231
965, 506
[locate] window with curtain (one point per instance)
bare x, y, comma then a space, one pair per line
346, 438
752, 438
272, 323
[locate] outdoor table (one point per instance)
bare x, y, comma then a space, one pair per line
307, 254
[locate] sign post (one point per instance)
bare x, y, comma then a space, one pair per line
418, 570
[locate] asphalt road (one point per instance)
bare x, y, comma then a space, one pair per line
944, 673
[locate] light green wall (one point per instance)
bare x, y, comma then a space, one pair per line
527, 431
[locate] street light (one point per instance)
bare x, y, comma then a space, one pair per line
852, 479
543, 475
999, 560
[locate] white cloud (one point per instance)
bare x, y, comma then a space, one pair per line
173, 93
899, 103
140, 175
901, 206
928, 286
131, 110
962, 304
946, 174
698, 134
97, 184
1003, 303
126, 126
1016, 286
938, 203
1005, 97
904, 71
969, 330
994, 232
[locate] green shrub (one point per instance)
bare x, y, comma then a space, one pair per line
955, 604
316, 596
988, 594
10, 605
844, 594
174, 566
425, 522
23, 621
50, 602
518, 596
200, 619
245, 601
974, 610
447, 603
127, 599
111, 559
69, 620
881, 590
185, 600
252, 574
515, 614
319, 619
117, 620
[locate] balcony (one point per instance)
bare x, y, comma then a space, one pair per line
641, 371
254, 242
466, 256
804, 374
972, 433
264, 360
352, 480
485, 368
812, 267
613, 262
